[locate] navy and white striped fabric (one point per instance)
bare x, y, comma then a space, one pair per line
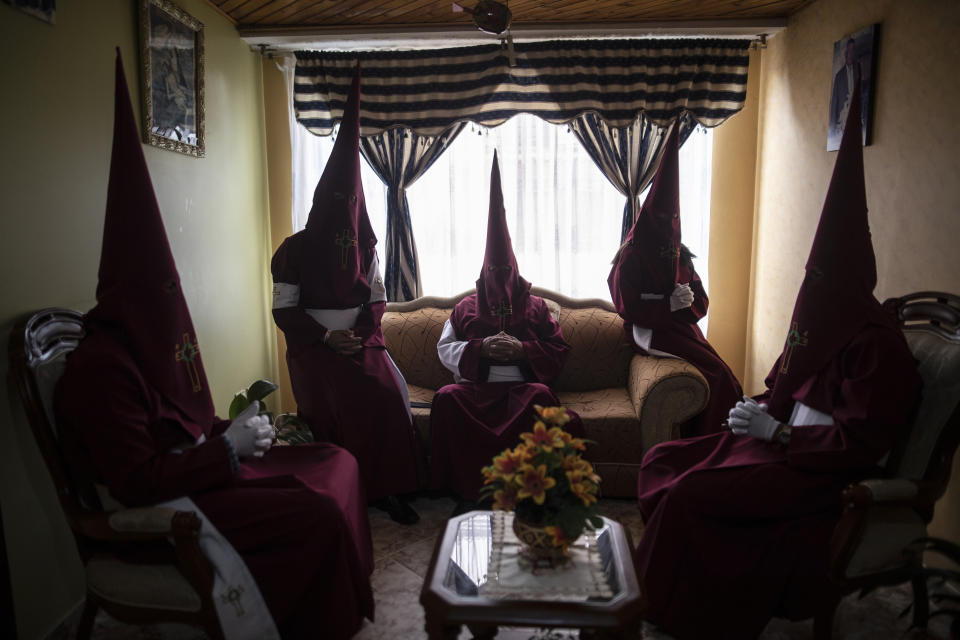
427, 91
627, 156
399, 157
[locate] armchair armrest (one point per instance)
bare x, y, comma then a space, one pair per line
143, 524
139, 524
892, 492
665, 393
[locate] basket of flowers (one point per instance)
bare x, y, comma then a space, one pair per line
545, 481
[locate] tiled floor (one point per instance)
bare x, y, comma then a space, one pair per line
402, 554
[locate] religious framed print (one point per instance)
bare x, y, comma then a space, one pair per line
852, 54
171, 77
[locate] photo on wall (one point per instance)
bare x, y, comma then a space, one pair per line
852, 54
45, 10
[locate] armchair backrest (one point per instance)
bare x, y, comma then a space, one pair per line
38, 349
931, 324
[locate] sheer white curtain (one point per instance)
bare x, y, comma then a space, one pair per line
564, 216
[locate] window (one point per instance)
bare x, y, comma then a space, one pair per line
564, 215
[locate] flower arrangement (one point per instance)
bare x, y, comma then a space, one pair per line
545, 481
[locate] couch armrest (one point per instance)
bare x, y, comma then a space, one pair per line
665, 393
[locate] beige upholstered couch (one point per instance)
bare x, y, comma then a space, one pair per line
628, 402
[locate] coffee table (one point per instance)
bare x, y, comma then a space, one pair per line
453, 591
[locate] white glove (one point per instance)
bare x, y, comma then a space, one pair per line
749, 418
681, 298
250, 434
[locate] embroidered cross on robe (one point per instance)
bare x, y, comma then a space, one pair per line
345, 240
794, 339
187, 353
501, 310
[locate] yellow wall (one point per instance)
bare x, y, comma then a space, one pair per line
731, 225
279, 158
912, 166
58, 121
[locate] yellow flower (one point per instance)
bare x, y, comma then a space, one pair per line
546, 439
534, 483
556, 415
509, 462
584, 490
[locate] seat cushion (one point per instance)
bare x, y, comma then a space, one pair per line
153, 586
609, 420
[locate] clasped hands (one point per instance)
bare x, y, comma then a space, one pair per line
749, 418
250, 434
343, 341
502, 347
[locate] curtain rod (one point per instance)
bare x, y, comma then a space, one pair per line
354, 37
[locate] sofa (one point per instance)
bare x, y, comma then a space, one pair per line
628, 402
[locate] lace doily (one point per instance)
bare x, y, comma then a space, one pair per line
511, 574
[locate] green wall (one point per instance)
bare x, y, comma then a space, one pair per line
57, 111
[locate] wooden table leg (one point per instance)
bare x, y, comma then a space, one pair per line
437, 630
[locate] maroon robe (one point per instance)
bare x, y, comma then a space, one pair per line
297, 516
738, 529
652, 260
472, 421
677, 333
134, 398
352, 401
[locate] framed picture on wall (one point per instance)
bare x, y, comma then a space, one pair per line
852, 53
46, 10
171, 77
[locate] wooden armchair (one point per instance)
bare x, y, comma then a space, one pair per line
179, 590
882, 516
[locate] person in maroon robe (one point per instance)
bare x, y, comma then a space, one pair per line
738, 523
504, 348
135, 398
328, 300
660, 297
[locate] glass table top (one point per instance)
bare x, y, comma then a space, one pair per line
487, 560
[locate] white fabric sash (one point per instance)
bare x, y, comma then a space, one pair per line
240, 607
643, 337
803, 415
242, 612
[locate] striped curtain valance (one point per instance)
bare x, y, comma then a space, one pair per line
427, 91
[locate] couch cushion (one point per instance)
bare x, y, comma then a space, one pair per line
610, 421
411, 338
600, 357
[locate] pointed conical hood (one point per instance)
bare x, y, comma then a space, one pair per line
650, 252
499, 287
340, 237
138, 293
836, 297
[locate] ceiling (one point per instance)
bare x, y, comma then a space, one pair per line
350, 23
